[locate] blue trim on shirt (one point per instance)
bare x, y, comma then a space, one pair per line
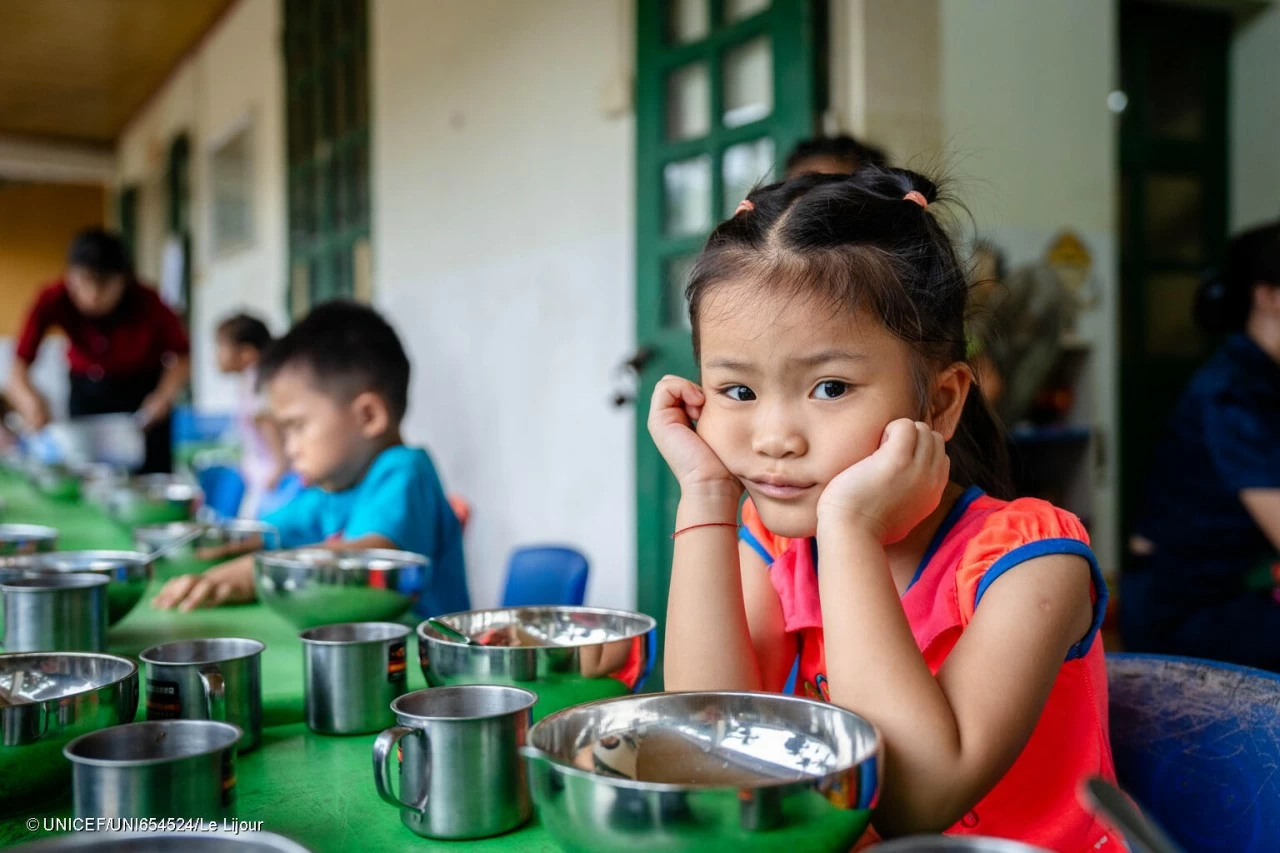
970, 495
745, 535
1045, 548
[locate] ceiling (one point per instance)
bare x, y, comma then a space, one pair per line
78, 70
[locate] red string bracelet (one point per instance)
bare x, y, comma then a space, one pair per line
732, 524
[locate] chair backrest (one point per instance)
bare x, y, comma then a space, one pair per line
1197, 744
223, 489
546, 575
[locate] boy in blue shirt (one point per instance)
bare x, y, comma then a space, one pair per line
337, 384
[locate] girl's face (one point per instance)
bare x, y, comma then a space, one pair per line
796, 394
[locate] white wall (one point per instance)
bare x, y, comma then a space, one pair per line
1255, 121
235, 74
502, 222
1031, 147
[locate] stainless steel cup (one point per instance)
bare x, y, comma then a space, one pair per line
351, 673
55, 613
207, 680
461, 774
170, 768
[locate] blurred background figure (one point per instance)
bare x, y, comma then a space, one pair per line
832, 155
241, 339
1205, 581
127, 350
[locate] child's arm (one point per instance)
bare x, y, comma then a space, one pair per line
232, 582
948, 739
721, 607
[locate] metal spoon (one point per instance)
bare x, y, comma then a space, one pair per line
186, 539
450, 632
1140, 832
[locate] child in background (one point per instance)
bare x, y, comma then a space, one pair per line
241, 339
878, 573
338, 384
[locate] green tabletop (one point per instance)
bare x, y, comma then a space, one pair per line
314, 789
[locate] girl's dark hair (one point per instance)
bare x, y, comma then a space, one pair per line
855, 243
245, 330
101, 252
843, 148
1225, 298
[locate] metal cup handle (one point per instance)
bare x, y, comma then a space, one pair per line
382, 750
215, 693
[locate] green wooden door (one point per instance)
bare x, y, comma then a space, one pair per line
326, 46
1173, 164
724, 89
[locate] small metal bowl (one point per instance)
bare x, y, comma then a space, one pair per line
216, 543
58, 482
568, 655
166, 842
153, 499
47, 699
97, 480
26, 539
128, 571
318, 586
681, 771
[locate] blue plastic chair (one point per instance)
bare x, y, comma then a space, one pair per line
1197, 744
546, 575
223, 489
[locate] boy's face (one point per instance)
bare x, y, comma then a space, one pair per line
329, 441
94, 295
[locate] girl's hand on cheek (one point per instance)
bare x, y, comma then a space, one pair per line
676, 404
895, 488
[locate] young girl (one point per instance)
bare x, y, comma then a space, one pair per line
828, 321
241, 339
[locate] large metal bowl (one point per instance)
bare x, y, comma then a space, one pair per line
215, 544
569, 655
153, 499
47, 699
723, 771
26, 539
318, 586
166, 842
129, 572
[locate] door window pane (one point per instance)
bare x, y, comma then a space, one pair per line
745, 165
737, 10
1175, 77
748, 82
688, 102
1171, 330
1175, 217
687, 196
687, 21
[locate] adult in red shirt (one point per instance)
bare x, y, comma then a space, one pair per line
128, 351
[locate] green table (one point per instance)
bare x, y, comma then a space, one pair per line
316, 790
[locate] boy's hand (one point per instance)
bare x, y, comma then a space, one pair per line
226, 584
894, 489
676, 404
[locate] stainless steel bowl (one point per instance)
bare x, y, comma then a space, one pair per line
47, 699
26, 539
318, 586
129, 572
682, 771
216, 543
955, 844
97, 480
153, 499
569, 655
58, 482
166, 842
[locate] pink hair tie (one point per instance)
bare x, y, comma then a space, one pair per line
745, 206
917, 197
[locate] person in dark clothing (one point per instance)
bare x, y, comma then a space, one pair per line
1204, 581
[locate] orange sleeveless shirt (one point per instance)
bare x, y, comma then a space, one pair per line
981, 538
